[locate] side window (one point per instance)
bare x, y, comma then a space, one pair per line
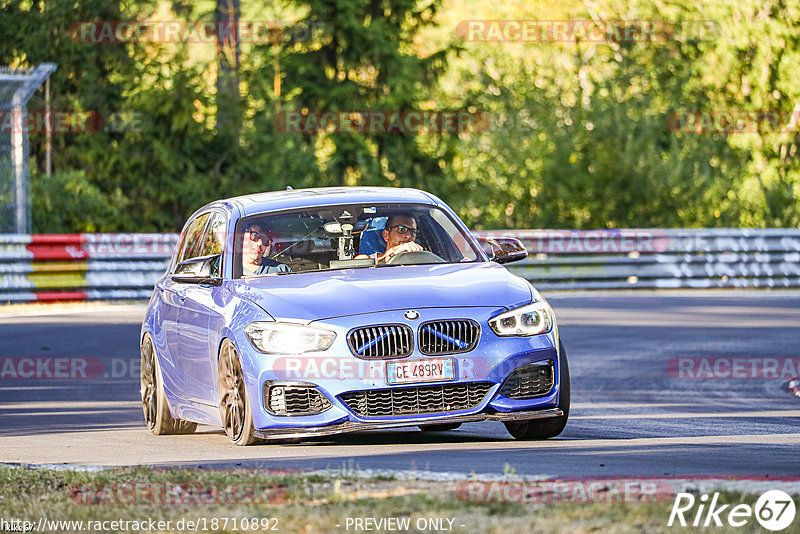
194, 239
215, 237
179, 248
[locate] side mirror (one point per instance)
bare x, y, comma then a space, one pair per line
503, 249
491, 247
511, 249
202, 270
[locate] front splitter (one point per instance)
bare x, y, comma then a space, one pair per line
355, 426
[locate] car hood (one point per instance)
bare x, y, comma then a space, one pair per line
313, 296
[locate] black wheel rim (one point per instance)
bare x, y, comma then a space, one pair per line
148, 384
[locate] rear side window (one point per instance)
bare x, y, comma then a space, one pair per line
179, 248
215, 236
193, 247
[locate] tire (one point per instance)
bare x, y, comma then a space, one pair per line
439, 427
154, 401
234, 403
552, 426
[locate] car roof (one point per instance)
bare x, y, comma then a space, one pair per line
324, 196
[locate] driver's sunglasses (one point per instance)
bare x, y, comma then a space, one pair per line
258, 236
404, 230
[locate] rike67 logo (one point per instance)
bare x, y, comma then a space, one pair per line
774, 510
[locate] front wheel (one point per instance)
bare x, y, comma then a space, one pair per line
154, 400
234, 404
553, 426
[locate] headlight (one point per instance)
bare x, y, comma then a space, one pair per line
285, 338
529, 320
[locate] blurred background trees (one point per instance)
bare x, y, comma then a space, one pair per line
580, 133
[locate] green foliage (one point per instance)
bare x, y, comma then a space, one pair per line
580, 133
68, 202
582, 137
358, 61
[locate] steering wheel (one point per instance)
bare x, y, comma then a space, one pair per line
416, 257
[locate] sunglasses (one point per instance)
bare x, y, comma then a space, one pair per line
404, 230
258, 236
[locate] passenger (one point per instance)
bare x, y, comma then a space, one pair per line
256, 246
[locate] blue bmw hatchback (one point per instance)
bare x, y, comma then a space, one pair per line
302, 313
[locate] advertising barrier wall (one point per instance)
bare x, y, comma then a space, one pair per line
658, 259
53, 267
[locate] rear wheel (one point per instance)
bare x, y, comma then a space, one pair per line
439, 428
154, 400
234, 404
553, 426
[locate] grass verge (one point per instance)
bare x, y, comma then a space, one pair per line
263, 501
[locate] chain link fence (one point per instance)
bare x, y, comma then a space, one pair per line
17, 85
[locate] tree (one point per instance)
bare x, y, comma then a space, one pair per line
359, 58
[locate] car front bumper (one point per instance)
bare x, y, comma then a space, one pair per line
355, 426
491, 361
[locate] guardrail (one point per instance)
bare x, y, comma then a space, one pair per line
629, 259
82, 266
125, 266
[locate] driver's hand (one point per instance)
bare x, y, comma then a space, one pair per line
411, 246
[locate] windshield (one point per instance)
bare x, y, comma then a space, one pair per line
348, 237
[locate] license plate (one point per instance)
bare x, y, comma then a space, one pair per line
430, 370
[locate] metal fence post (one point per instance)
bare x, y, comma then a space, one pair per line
17, 86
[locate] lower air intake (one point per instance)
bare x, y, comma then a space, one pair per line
528, 381
294, 399
416, 400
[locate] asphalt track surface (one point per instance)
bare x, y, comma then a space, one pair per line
630, 416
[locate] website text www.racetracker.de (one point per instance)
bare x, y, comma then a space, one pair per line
199, 524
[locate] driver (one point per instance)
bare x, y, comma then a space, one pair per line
399, 234
256, 245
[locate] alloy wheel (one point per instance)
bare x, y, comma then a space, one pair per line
232, 392
148, 386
